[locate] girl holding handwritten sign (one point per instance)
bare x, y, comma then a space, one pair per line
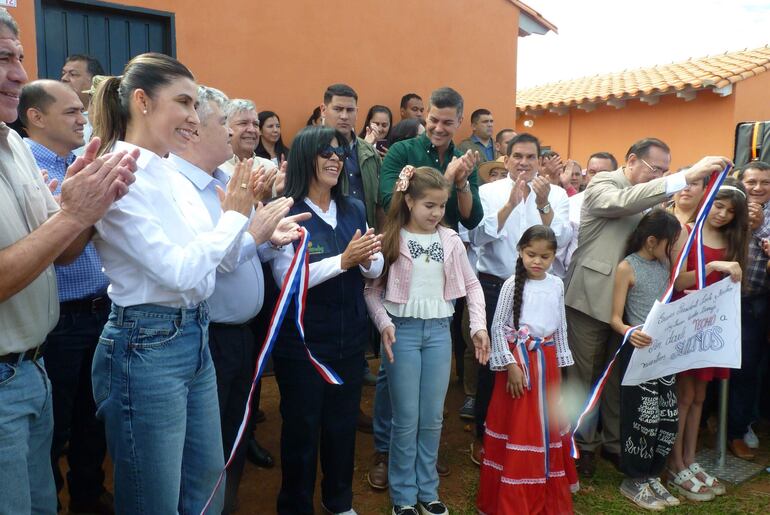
648, 421
725, 245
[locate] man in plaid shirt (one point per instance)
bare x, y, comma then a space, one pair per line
52, 114
754, 313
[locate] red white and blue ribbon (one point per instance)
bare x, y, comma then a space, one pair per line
694, 238
295, 286
526, 343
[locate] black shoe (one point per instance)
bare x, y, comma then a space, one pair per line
258, 455
586, 464
612, 457
404, 510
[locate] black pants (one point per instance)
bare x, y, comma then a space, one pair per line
232, 350
743, 381
68, 355
486, 379
649, 421
317, 415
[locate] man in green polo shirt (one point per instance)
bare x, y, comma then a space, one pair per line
436, 149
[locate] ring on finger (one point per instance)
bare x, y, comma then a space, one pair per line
244, 185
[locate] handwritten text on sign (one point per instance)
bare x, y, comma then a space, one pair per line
703, 329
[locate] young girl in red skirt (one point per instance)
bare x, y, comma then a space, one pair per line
725, 245
526, 466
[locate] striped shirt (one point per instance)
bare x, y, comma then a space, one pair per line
83, 279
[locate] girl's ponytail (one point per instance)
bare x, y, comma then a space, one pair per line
518, 290
108, 116
110, 111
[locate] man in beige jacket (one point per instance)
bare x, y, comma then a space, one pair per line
614, 204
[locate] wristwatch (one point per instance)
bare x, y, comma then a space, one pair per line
545, 209
466, 187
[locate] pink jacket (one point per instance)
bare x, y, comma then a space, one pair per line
459, 281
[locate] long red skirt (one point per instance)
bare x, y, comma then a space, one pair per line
514, 480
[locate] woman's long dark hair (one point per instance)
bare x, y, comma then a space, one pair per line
280, 148
110, 111
737, 232
372, 111
405, 129
534, 233
302, 162
658, 223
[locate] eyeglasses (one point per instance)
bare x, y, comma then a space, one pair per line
653, 169
328, 150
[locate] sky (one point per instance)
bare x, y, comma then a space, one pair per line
602, 36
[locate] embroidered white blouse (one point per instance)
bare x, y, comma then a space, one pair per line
542, 310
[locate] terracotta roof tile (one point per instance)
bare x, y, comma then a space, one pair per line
706, 72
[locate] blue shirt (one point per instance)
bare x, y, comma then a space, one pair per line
489, 150
238, 295
83, 279
353, 169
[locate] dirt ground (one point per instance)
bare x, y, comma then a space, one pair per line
259, 487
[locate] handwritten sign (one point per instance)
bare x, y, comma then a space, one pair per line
701, 330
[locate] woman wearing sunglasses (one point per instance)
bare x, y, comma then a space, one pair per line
342, 252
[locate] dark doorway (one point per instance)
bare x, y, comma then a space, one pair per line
112, 33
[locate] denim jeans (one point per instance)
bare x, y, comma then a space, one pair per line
69, 353
26, 426
382, 411
743, 381
418, 380
155, 388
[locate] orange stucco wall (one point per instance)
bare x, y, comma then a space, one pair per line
692, 129
284, 54
752, 99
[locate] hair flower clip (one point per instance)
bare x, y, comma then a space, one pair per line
403, 178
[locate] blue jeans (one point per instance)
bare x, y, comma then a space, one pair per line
418, 380
155, 388
382, 411
26, 427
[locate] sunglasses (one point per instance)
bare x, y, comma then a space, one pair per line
328, 151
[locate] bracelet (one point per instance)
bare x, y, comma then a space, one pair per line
466, 188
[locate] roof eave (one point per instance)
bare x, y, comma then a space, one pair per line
531, 21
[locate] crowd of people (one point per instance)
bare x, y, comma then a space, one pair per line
150, 224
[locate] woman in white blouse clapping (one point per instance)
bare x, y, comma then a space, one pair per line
153, 378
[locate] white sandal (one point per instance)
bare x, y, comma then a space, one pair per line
711, 482
697, 492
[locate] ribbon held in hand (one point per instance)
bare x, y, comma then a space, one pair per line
694, 238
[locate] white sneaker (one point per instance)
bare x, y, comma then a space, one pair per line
661, 493
640, 493
750, 439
